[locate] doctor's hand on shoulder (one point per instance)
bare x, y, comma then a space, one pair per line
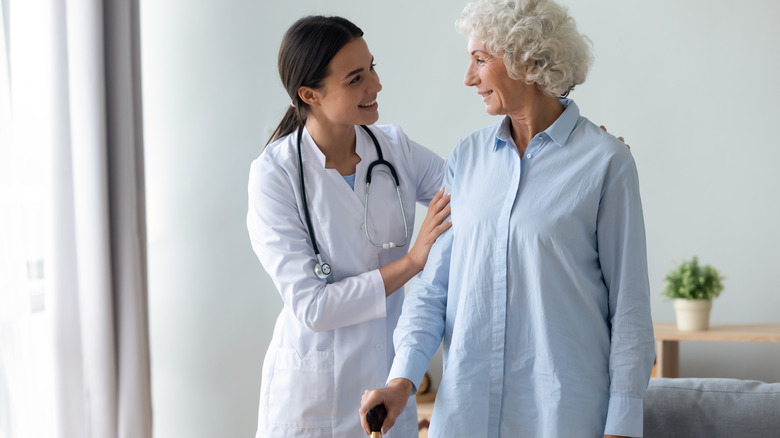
413, 262
433, 225
394, 396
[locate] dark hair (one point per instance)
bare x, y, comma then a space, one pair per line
306, 51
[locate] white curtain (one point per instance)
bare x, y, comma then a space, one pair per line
98, 252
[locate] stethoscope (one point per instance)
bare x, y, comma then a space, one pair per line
323, 269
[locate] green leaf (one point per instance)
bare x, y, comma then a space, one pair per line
689, 281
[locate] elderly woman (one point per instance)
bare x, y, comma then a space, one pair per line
539, 290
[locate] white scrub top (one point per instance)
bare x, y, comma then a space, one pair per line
333, 338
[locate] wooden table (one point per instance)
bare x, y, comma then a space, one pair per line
667, 340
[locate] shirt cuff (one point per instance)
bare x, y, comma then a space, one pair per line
624, 417
409, 364
380, 299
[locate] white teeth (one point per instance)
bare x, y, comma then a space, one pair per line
367, 104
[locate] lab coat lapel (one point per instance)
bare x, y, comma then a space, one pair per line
333, 205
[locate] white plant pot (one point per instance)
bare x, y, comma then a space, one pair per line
692, 315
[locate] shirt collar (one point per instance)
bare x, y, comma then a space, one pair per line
562, 128
362, 142
502, 134
558, 132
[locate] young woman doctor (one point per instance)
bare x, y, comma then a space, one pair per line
337, 254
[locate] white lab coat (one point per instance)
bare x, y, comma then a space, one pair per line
333, 338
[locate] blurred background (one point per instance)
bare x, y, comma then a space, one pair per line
691, 86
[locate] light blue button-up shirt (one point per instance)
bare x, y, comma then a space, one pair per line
539, 290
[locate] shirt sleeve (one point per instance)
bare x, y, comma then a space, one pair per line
623, 258
427, 167
282, 243
430, 172
421, 325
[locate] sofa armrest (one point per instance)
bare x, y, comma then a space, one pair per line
711, 408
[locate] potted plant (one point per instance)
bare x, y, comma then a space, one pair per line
692, 287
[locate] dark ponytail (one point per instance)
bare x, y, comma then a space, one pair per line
307, 48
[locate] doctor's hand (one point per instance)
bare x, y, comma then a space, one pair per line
627, 145
394, 396
396, 274
433, 225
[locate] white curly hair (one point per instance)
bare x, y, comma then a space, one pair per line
536, 34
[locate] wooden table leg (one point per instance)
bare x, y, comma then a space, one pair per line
667, 358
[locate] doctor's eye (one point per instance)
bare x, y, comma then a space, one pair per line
373, 65
355, 79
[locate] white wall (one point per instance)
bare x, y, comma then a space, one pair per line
692, 86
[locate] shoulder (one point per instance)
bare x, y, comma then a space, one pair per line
393, 138
478, 141
277, 160
600, 143
607, 158
282, 150
391, 134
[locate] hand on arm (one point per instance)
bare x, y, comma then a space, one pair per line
394, 396
397, 273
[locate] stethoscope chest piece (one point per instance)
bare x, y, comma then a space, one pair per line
321, 269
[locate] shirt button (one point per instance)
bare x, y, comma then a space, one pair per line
528, 156
379, 346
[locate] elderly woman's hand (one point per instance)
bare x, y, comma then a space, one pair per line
619, 138
394, 396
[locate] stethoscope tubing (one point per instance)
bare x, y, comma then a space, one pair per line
322, 269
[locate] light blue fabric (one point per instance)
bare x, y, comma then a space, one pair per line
539, 290
350, 179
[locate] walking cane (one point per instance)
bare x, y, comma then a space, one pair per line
375, 417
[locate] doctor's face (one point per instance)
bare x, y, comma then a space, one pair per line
488, 74
349, 93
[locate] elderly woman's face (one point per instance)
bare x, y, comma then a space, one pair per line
487, 72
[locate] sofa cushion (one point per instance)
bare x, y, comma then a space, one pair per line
711, 408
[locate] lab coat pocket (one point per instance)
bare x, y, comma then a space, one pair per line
302, 389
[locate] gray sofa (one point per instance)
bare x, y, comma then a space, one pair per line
711, 408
